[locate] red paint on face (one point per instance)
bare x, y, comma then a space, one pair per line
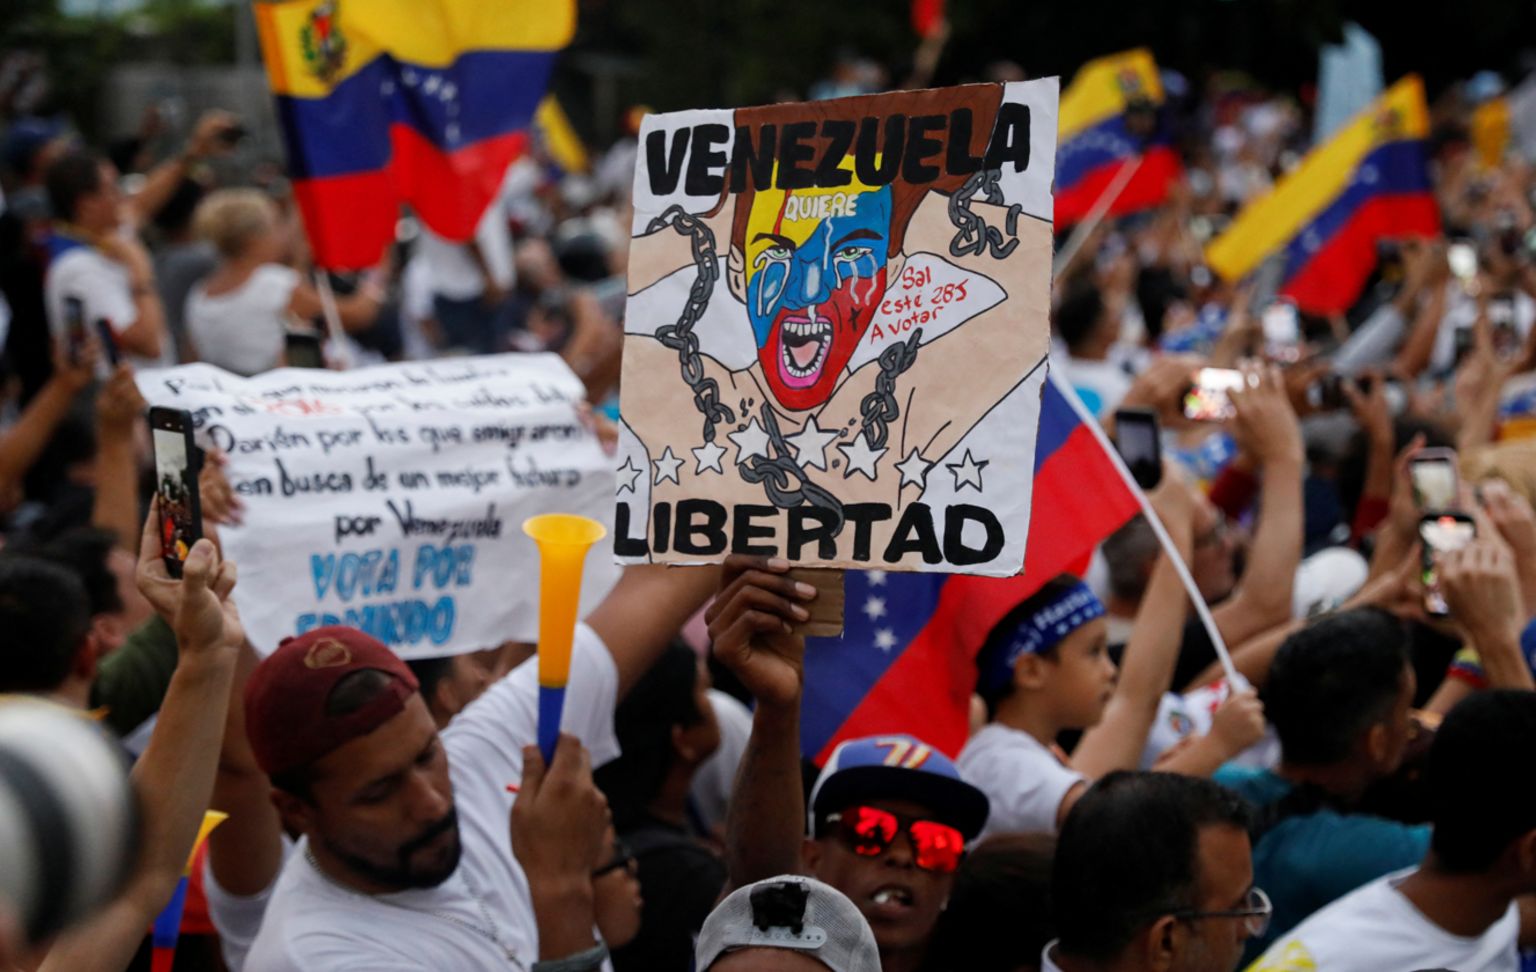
816, 360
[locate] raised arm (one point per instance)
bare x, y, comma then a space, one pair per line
750, 624
174, 777
644, 612
1267, 431
116, 506
25, 440
1147, 669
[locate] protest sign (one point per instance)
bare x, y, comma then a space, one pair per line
392, 498
837, 329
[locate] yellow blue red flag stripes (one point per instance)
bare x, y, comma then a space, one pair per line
1097, 137
1367, 183
418, 101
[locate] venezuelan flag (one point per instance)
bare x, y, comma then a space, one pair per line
1367, 183
418, 101
1096, 142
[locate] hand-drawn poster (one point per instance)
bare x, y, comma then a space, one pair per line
837, 329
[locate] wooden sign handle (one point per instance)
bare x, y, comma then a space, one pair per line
827, 609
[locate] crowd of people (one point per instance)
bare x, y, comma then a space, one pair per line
1351, 799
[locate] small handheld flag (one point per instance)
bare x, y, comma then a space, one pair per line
167, 927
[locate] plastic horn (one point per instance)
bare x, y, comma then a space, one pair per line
563, 540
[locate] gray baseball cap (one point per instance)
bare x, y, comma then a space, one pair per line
790, 912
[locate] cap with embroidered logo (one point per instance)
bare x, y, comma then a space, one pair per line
287, 694
897, 767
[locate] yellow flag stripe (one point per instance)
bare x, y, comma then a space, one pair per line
428, 33
1097, 90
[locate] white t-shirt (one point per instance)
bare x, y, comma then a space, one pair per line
1375, 927
241, 330
315, 925
455, 274
1022, 778
237, 917
104, 290
1100, 384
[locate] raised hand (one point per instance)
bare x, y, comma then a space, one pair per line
751, 623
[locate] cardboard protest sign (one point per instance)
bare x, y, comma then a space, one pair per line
837, 330
392, 499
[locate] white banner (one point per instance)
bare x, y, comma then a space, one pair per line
392, 498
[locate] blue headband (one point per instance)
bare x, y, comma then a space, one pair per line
1042, 631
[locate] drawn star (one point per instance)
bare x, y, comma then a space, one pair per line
666, 467
708, 457
885, 639
876, 578
967, 471
914, 469
750, 441
632, 470
811, 444
875, 607
860, 456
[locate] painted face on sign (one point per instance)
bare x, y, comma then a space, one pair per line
816, 267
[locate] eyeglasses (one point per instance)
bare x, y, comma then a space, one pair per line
870, 832
1256, 912
623, 857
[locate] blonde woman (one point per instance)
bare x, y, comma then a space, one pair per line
237, 315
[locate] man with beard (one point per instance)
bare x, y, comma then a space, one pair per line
405, 859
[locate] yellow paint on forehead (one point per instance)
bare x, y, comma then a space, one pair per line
796, 213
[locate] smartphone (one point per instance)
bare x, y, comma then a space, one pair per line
1461, 256
1501, 321
181, 513
1282, 332
1207, 399
1441, 533
1465, 339
1139, 444
108, 338
302, 349
1432, 474
74, 328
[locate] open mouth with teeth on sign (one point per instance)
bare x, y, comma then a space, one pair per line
804, 340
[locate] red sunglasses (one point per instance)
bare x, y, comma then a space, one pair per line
870, 832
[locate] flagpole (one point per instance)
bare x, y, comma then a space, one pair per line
333, 329
1095, 216
1170, 550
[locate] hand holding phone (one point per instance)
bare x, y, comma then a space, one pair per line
181, 515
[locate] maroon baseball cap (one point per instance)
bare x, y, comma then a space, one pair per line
286, 695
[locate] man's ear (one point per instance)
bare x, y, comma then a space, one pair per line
1376, 744
1030, 671
297, 814
1161, 943
1525, 852
84, 665
736, 274
445, 699
810, 854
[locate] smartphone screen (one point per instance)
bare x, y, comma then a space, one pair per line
175, 486
1282, 331
1207, 400
1434, 479
1136, 439
1441, 534
1462, 258
303, 350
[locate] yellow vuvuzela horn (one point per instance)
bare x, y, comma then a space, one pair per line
563, 540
